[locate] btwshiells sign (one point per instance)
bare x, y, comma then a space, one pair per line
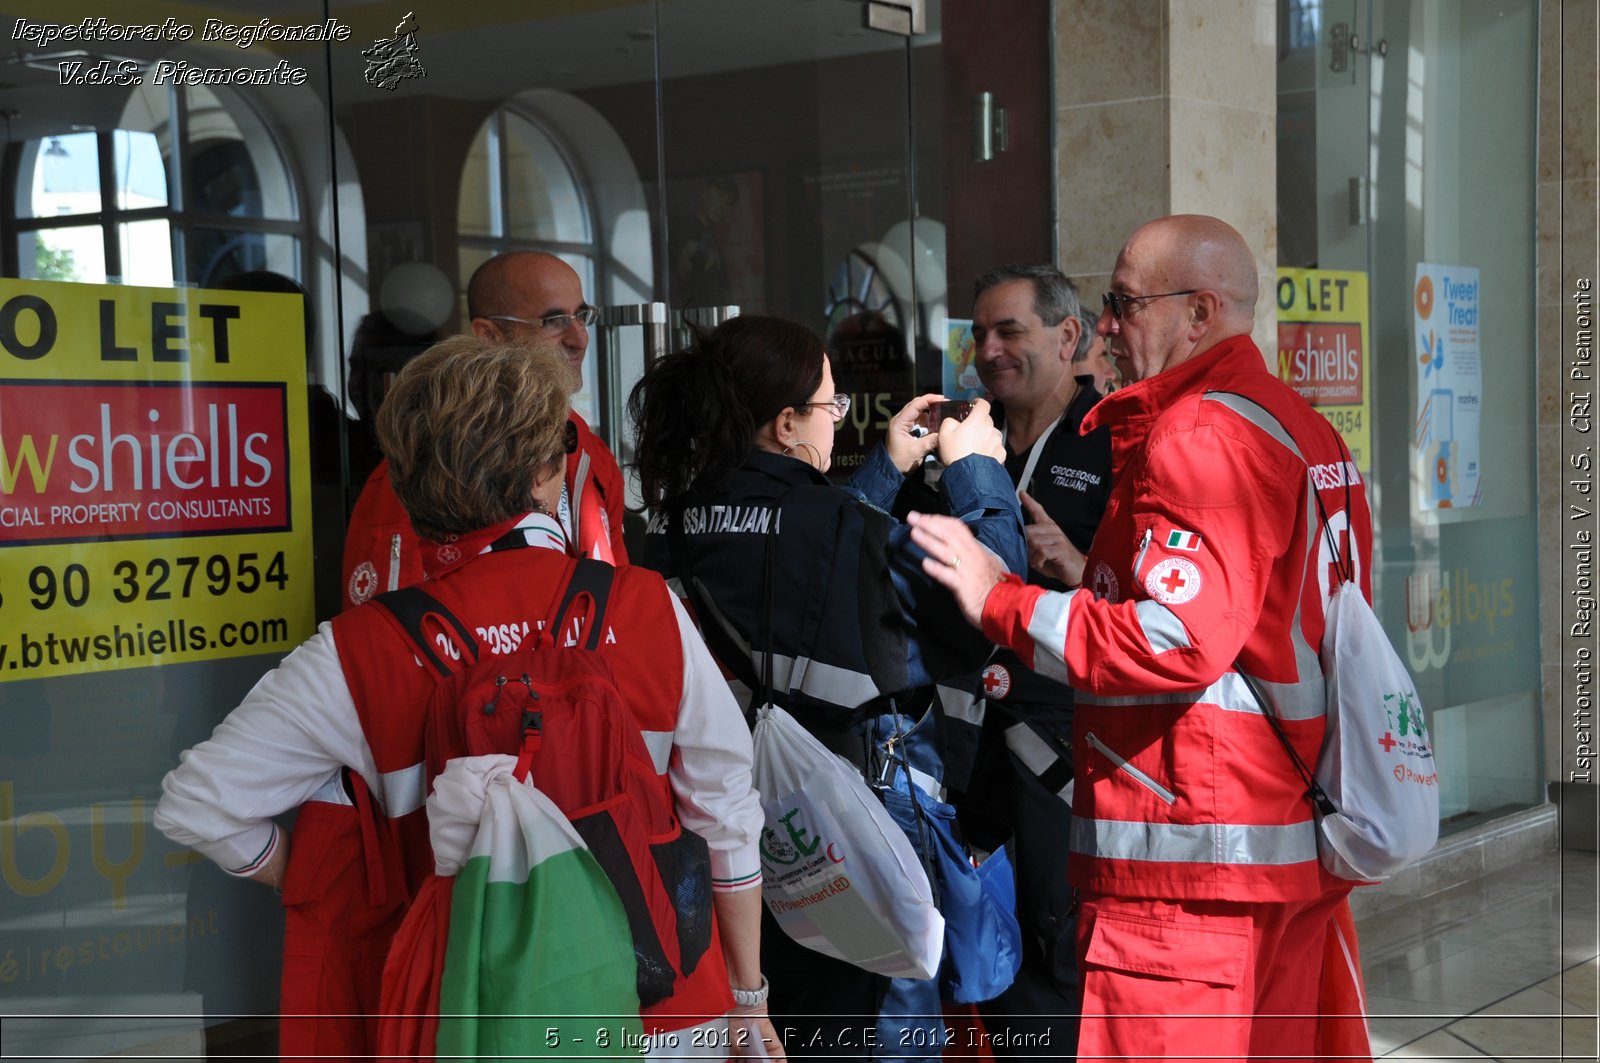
154, 492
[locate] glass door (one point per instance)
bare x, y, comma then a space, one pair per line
170, 488
1406, 313
790, 184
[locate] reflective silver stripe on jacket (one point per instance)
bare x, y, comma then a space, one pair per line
1301, 701
331, 791
1161, 626
1195, 843
404, 791
1257, 415
961, 704
659, 743
1048, 629
825, 682
1137, 774
1306, 698
1035, 754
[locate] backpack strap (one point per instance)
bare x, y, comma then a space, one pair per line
409, 607
712, 629
1314, 791
591, 579
712, 622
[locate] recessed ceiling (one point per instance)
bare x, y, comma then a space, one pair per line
488, 50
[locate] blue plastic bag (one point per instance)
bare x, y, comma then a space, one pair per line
982, 940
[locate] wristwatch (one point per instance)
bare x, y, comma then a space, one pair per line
749, 998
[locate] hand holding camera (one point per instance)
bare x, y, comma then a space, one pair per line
973, 434
909, 439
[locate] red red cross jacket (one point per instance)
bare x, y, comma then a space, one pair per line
380, 546
1211, 553
353, 697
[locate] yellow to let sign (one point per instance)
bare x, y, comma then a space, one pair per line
1323, 350
155, 501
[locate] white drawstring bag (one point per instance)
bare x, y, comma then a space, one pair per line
838, 874
1376, 765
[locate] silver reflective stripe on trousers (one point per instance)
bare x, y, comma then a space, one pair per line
404, 791
688, 1043
1195, 843
1048, 629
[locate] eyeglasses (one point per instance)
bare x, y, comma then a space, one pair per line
1120, 304
585, 315
837, 406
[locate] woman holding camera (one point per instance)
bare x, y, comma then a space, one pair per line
734, 436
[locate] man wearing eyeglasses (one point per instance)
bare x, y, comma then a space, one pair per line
1206, 924
519, 297
1030, 349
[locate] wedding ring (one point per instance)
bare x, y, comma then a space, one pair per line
955, 561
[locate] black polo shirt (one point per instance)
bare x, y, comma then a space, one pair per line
1071, 480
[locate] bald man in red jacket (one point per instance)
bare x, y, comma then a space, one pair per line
516, 297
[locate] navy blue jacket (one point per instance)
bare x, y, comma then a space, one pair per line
855, 620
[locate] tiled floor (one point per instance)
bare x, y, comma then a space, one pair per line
1500, 968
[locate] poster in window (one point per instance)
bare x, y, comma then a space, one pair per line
154, 486
1323, 350
1449, 386
717, 249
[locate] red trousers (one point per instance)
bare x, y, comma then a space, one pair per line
1218, 980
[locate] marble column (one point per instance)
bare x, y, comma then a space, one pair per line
1163, 107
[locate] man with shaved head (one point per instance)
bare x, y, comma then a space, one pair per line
1204, 913
525, 298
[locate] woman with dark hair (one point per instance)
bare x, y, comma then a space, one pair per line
733, 438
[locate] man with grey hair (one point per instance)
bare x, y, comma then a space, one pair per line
1029, 340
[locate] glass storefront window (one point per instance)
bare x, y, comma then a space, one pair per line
1403, 169
140, 174
69, 253
690, 153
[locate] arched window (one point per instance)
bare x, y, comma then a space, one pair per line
189, 188
521, 190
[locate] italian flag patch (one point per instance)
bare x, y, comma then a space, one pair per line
1186, 541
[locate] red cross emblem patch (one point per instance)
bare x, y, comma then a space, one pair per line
996, 681
1104, 583
1172, 580
363, 582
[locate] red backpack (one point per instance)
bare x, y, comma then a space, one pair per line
552, 702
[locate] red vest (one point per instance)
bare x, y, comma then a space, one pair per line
336, 936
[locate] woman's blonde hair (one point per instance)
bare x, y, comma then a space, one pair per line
467, 426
